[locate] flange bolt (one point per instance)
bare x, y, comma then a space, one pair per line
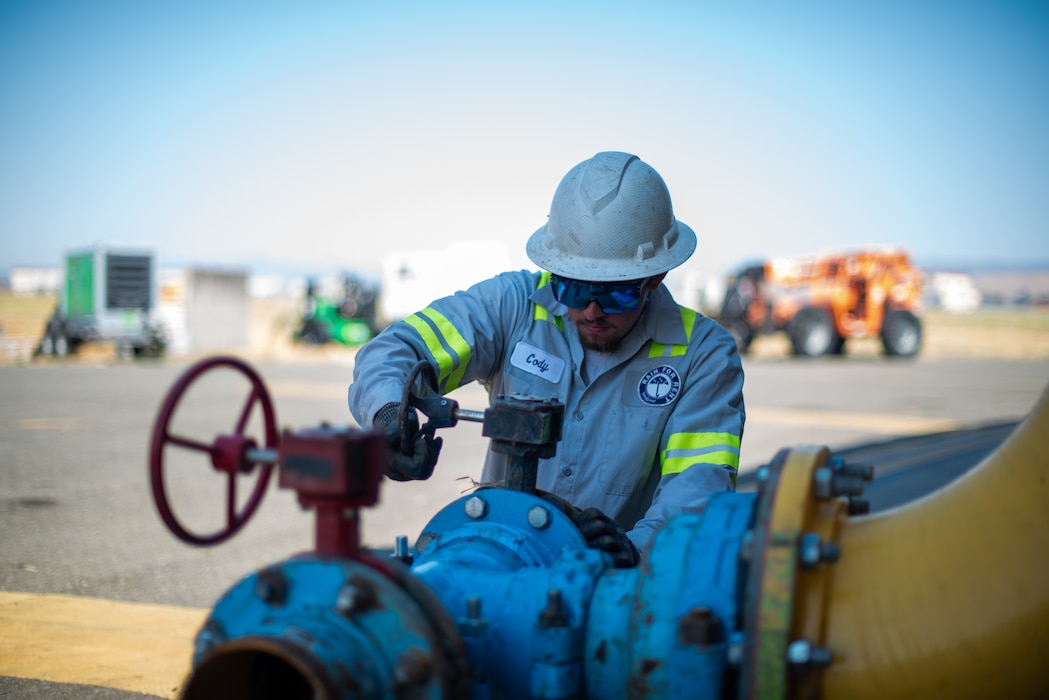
538, 517
802, 654
700, 626
812, 550
476, 507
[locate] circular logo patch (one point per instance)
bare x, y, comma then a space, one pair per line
660, 386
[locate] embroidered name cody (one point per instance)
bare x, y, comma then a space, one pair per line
535, 361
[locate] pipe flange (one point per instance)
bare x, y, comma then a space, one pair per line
791, 552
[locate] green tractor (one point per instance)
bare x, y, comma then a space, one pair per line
349, 320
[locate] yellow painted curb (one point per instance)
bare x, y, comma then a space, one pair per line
67, 639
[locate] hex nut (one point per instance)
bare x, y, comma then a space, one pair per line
476, 507
538, 517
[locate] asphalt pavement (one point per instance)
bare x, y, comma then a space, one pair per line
77, 511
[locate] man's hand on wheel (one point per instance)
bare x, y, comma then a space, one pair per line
601, 532
406, 462
604, 533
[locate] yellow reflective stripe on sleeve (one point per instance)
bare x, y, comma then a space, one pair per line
686, 449
451, 377
688, 320
541, 314
449, 370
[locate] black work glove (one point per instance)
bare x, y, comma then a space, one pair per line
406, 462
604, 533
600, 531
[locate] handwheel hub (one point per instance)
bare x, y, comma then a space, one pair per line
229, 453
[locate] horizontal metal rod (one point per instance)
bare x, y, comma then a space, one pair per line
261, 455
471, 416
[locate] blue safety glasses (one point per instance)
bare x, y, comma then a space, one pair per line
612, 297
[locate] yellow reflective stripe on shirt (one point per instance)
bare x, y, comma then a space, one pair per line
541, 314
686, 449
688, 320
450, 369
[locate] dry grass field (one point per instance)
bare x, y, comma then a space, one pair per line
1009, 334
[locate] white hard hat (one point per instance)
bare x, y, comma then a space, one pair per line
611, 220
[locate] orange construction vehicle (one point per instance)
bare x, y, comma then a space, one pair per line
822, 301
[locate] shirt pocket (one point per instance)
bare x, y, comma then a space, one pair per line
629, 445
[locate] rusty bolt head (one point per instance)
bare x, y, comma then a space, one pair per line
211, 636
357, 595
414, 667
700, 626
271, 585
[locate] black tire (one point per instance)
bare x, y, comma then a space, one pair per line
61, 344
314, 333
901, 333
55, 343
812, 333
743, 335
47, 344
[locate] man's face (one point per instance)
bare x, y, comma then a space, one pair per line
604, 331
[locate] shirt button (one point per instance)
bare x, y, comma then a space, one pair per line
579, 415
567, 471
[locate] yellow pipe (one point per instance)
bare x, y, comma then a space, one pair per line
948, 597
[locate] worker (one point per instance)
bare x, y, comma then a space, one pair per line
653, 391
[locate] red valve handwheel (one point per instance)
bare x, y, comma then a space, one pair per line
227, 453
421, 383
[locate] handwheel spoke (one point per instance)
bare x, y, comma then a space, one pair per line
187, 443
231, 502
246, 413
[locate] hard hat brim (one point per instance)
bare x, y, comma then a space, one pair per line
604, 270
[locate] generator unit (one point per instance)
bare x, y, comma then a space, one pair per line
108, 294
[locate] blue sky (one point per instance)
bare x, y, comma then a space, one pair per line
318, 136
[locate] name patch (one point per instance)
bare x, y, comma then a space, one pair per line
538, 362
660, 386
